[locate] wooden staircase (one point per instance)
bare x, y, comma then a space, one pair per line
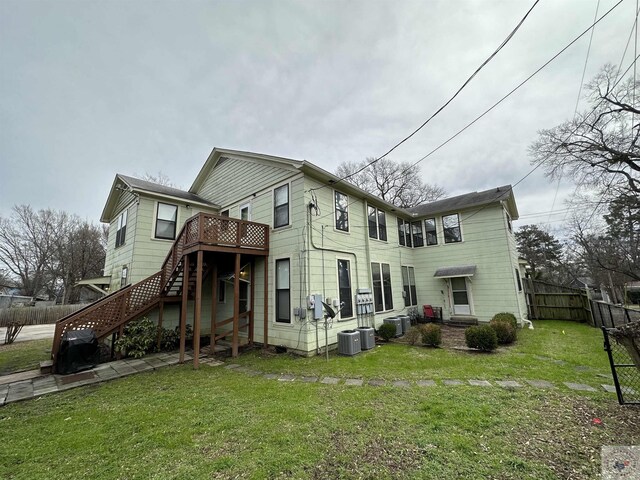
202, 232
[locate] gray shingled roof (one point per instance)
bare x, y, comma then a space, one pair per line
138, 184
457, 271
474, 199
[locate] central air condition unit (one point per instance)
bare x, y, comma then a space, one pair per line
406, 323
367, 337
348, 342
397, 322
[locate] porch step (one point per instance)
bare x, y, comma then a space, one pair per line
46, 367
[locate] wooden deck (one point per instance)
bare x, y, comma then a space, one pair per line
180, 277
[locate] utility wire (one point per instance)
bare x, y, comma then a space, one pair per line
500, 47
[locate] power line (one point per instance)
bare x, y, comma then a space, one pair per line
482, 65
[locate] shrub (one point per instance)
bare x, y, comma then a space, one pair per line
387, 331
139, 337
431, 335
413, 335
482, 337
506, 317
169, 339
504, 331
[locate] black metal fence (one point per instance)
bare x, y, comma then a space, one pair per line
626, 374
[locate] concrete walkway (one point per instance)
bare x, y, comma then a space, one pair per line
31, 384
32, 332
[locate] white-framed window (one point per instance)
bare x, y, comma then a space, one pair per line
166, 220
283, 290
245, 212
342, 211
121, 230
404, 233
518, 279
409, 286
451, 228
344, 289
382, 292
509, 224
416, 234
281, 206
124, 274
377, 220
430, 232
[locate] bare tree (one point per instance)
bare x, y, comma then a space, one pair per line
160, 178
598, 148
398, 183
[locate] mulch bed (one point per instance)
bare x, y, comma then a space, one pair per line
452, 337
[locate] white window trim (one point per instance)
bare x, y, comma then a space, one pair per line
459, 225
335, 229
155, 219
438, 230
124, 211
275, 322
273, 208
353, 310
384, 302
415, 284
386, 226
247, 205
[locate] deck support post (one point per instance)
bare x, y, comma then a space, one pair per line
252, 279
197, 311
236, 306
214, 307
183, 306
160, 315
265, 333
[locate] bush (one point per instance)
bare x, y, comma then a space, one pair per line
431, 335
387, 331
482, 337
413, 335
169, 339
505, 317
139, 337
504, 331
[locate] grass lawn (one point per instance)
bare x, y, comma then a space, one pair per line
24, 355
217, 423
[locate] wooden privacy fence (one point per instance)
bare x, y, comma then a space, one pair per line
611, 316
546, 301
36, 315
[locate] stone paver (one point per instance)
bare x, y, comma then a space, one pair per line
609, 388
580, 387
480, 383
452, 382
426, 383
540, 384
309, 379
270, 376
581, 368
330, 380
232, 366
286, 378
401, 383
354, 382
376, 382
508, 384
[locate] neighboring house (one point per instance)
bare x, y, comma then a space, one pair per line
319, 236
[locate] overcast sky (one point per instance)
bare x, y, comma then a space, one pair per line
89, 89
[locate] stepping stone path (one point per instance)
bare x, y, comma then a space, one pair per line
27, 385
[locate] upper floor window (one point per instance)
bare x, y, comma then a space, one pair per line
166, 221
509, 225
430, 231
451, 228
281, 206
416, 234
344, 287
342, 211
377, 224
121, 231
404, 233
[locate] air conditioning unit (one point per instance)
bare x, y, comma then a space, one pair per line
406, 323
367, 337
397, 322
348, 342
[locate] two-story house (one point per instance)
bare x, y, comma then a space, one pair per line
263, 234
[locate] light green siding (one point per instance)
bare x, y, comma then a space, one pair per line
116, 258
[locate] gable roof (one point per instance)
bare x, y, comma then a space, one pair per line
136, 185
469, 200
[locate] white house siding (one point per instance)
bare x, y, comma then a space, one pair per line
116, 258
486, 245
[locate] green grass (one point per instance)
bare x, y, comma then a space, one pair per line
178, 423
579, 346
26, 355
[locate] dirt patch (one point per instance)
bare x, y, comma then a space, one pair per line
572, 450
452, 337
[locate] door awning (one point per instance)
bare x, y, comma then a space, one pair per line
457, 271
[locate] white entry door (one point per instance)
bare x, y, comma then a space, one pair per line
460, 296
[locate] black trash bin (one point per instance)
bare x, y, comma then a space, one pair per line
79, 350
